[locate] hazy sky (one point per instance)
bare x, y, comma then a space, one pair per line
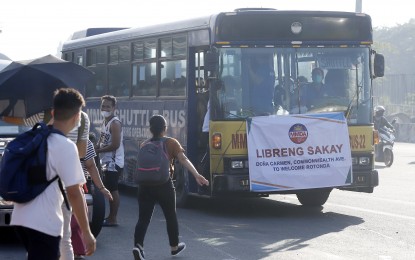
32, 29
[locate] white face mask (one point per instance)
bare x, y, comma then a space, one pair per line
77, 125
105, 114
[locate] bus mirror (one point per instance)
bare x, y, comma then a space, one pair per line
211, 61
379, 65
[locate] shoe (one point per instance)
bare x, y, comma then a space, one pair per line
106, 223
138, 252
180, 247
79, 257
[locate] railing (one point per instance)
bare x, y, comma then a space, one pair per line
396, 93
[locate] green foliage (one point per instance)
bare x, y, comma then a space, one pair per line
410, 99
397, 44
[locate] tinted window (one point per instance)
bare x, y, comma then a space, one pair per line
179, 46
150, 49
138, 51
173, 78
144, 79
124, 52
118, 79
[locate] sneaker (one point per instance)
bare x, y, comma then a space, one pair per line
180, 247
138, 252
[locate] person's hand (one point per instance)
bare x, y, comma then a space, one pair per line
201, 180
90, 243
106, 193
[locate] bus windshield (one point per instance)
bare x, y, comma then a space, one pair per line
267, 81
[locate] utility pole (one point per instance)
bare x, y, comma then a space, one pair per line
359, 6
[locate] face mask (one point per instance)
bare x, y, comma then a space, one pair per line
77, 125
105, 114
318, 78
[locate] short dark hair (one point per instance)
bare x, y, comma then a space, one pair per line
157, 124
318, 70
66, 103
110, 98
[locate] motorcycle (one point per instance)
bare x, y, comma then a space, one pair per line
384, 149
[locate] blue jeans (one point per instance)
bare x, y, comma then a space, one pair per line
165, 196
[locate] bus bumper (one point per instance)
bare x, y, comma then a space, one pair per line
230, 183
363, 181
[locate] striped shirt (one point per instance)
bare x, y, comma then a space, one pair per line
73, 135
31, 121
90, 154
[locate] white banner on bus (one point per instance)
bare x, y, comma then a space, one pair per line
298, 152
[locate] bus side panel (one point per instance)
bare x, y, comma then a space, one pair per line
134, 116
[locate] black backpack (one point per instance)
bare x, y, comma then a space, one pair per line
23, 166
153, 163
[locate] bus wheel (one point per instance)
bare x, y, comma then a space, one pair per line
98, 212
313, 198
181, 184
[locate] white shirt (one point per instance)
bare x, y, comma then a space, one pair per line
117, 156
44, 213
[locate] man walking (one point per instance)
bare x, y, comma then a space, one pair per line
39, 222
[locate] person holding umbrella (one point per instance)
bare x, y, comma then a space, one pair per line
26, 95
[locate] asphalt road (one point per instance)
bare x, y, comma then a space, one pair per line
349, 226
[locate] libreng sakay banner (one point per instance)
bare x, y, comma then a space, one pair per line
298, 152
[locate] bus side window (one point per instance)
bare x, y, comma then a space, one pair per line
179, 87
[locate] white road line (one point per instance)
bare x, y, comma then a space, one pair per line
293, 197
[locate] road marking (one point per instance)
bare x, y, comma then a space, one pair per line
372, 211
293, 197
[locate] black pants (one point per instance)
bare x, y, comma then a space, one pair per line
165, 196
39, 245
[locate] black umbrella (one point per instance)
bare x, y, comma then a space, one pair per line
26, 87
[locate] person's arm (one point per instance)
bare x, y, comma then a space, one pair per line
77, 201
93, 172
82, 142
387, 124
189, 166
115, 138
81, 145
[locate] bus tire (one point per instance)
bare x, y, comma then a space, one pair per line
98, 212
181, 184
313, 198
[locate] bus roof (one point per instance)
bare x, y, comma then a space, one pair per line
132, 33
247, 24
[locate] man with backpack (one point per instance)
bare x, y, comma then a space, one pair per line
79, 135
39, 222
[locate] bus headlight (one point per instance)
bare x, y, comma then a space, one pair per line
217, 141
364, 160
237, 164
360, 160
